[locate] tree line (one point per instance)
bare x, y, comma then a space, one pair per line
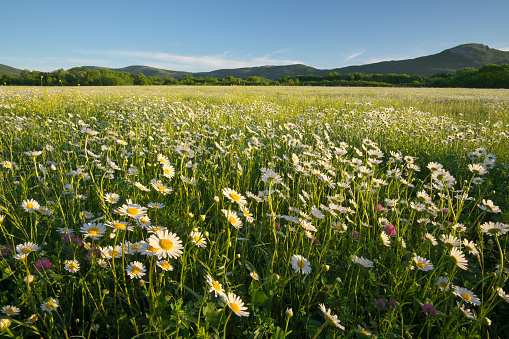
490, 76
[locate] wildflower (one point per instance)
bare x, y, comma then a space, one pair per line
390, 230
502, 294
466, 312
254, 275
111, 198
5, 323
6, 250
494, 228
162, 159
103, 263
27, 247
30, 205
164, 265
167, 244
198, 239
233, 218
32, 319
49, 305
132, 210
109, 252
450, 240
423, 264
380, 303
385, 239
470, 247
443, 283
477, 169
289, 312
72, 266
156, 205
234, 196
95, 327
459, 259
331, 319
236, 305
185, 151
271, 177
93, 230
429, 309
42, 265
215, 286
467, 295
159, 187
362, 330
28, 279
362, 261
168, 171
10, 310
487, 205
299, 263
119, 225
135, 270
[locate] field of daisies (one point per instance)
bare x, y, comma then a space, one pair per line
236, 212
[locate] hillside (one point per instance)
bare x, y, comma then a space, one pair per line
8, 70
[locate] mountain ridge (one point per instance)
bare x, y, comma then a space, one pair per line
472, 55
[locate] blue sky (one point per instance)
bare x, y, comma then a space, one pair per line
199, 35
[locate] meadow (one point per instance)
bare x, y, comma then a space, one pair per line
254, 212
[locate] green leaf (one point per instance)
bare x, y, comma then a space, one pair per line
259, 298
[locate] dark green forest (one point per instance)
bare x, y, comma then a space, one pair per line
489, 76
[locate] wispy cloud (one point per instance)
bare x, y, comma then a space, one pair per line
354, 55
194, 63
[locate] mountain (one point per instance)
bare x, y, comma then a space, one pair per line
8, 70
447, 61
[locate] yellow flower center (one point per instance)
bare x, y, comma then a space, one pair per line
232, 219
443, 284
216, 286
197, 239
234, 307
72, 267
133, 211
42, 210
30, 205
156, 229
50, 305
93, 230
421, 265
337, 228
166, 171
301, 264
26, 250
152, 249
161, 188
9, 311
111, 199
136, 270
114, 253
166, 244
363, 332
466, 296
136, 247
119, 225
234, 196
165, 265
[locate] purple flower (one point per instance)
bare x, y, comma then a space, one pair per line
356, 234
6, 250
390, 230
42, 265
429, 309
67, 238
380, 303
278, 226
393, 303
380, 208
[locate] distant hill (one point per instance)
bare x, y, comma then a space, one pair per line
8, 70
448, 61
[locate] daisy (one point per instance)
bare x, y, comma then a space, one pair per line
477, 169
93, 230
432, 239
502, 294
164, 265
111, 198
236, 305
443, 283
385, 239
72, 266
215, 286
362, 330
30, 205
487, 205
168, 171
154, 229
10, 310
135, 270
470, 247
86, 214
331, 319
198, 239
233, 218
362, 261
162, 159
156, 205
27, 248
185, 151
245, 212
44, 210
103, 263
450, 240
271, 177
466, 312
132, 210
143, 221
254, 275
109, 252
467, 295
159, 187
459, 259
494, 228
423, 264
49, 305
299, 263
119, 225
8, 164
167, 244
234, 196
141, 187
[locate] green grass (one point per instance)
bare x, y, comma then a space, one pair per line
324, 171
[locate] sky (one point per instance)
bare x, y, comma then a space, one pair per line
205, 35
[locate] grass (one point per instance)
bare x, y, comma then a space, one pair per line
253, 212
